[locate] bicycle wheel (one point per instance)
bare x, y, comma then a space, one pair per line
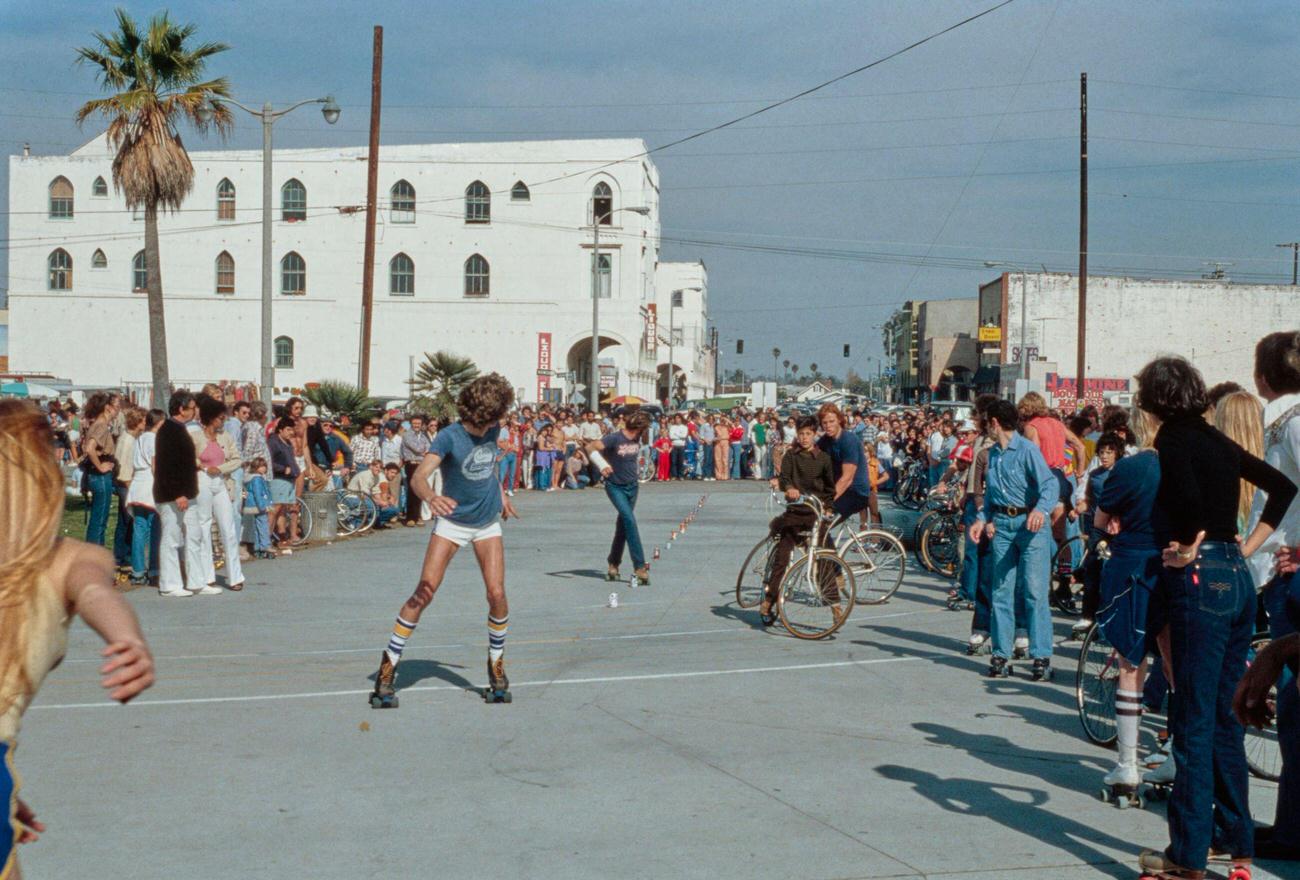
351, 512
753, 573
941, 547
645, 464
371, 512
917, 531
1263, 754
878, 562
1095, 685
814, 606
1069, 555
304, 524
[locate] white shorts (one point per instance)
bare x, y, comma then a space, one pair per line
462, 535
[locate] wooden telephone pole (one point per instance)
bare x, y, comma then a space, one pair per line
372, 195
1083, 236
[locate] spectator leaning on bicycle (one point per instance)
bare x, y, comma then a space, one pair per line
805, 471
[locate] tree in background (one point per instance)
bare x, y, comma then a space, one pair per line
156, 80
344, 401
438, 381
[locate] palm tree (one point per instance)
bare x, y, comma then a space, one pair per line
794, 368
156, 80
344, 401
438, 381
776, 353
813, 367
786, 365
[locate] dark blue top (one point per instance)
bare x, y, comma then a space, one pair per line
1129, 493
621, 455
847, 449
1096, 481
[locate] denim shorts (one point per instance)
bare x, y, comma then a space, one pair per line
1129, 581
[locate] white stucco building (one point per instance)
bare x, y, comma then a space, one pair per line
1213, 323
483, 250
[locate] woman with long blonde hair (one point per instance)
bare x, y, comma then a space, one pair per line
1240, 416
44, 580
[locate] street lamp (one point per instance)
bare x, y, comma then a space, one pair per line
673, 300
1024, 285
593, 390
268, 115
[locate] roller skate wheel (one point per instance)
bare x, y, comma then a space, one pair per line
1239, 874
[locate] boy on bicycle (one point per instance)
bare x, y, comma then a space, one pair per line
805, 470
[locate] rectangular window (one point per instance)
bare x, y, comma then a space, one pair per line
604, 276
60, 208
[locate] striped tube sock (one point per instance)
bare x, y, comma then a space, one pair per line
1128, 718
497, 629
402, 630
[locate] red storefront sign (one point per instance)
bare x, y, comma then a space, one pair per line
543, 364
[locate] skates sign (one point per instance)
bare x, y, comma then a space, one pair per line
616, 455
469, 513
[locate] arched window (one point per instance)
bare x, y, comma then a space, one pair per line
98, 260
604, 275
402, 199
225, 273
226, 199
99, 189
60, 270
519, 192
61, 198
283, 353
401, 276
293, 274
478, 203
602, 204
476, 276
293, 200
139, 273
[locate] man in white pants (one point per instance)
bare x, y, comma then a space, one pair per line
175, 487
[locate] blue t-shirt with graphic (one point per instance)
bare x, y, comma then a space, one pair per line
847, 449
469, 474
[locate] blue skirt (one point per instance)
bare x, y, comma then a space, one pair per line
1128, 616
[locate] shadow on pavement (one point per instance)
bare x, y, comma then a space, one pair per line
578, 573
1020, 809
410, 672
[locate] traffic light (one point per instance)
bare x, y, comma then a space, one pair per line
740, 346
846, 349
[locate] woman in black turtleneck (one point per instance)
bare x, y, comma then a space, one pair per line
1211, 610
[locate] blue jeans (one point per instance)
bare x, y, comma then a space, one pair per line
145, 535
623, 497
101, 498
934, 473
262, 530
122, 534
506, 471
1020, 560
706, 461
735, 461
1211, 621
976, 573
1286, 823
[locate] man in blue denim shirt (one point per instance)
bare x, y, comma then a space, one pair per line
1019, 495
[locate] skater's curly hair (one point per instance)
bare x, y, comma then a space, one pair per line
31, 508
484, 401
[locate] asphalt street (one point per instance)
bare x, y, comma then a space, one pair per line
670, 737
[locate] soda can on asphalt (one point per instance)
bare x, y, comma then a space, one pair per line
613, 600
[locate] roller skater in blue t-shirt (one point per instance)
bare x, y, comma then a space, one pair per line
469, 512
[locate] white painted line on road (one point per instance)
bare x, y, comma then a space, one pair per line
375, 647
604, 679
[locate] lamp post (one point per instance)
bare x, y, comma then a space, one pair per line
593, 390
673, 300
1024, 286
269, 115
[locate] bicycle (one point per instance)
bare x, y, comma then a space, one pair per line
911, 489
1098, 677
942, 515
875, 554
357, 512
647, 464
817, 593
304, 527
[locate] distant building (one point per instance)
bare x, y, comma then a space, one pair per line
470, 259
816, 391
933, 347
1213, 323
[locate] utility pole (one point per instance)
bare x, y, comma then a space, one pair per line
372, 196
1083, 236
1295, 259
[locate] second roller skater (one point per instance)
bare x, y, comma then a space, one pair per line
470, 512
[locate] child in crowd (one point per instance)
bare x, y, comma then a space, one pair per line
664, 446
1109, 449
258, 506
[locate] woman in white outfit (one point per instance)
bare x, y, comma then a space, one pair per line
217, 458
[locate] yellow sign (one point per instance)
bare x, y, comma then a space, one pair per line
990, 334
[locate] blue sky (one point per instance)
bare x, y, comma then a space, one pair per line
963, 150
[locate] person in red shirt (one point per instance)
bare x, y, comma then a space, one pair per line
665, 447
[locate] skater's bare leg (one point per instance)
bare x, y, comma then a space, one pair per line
436, 559
492, 560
